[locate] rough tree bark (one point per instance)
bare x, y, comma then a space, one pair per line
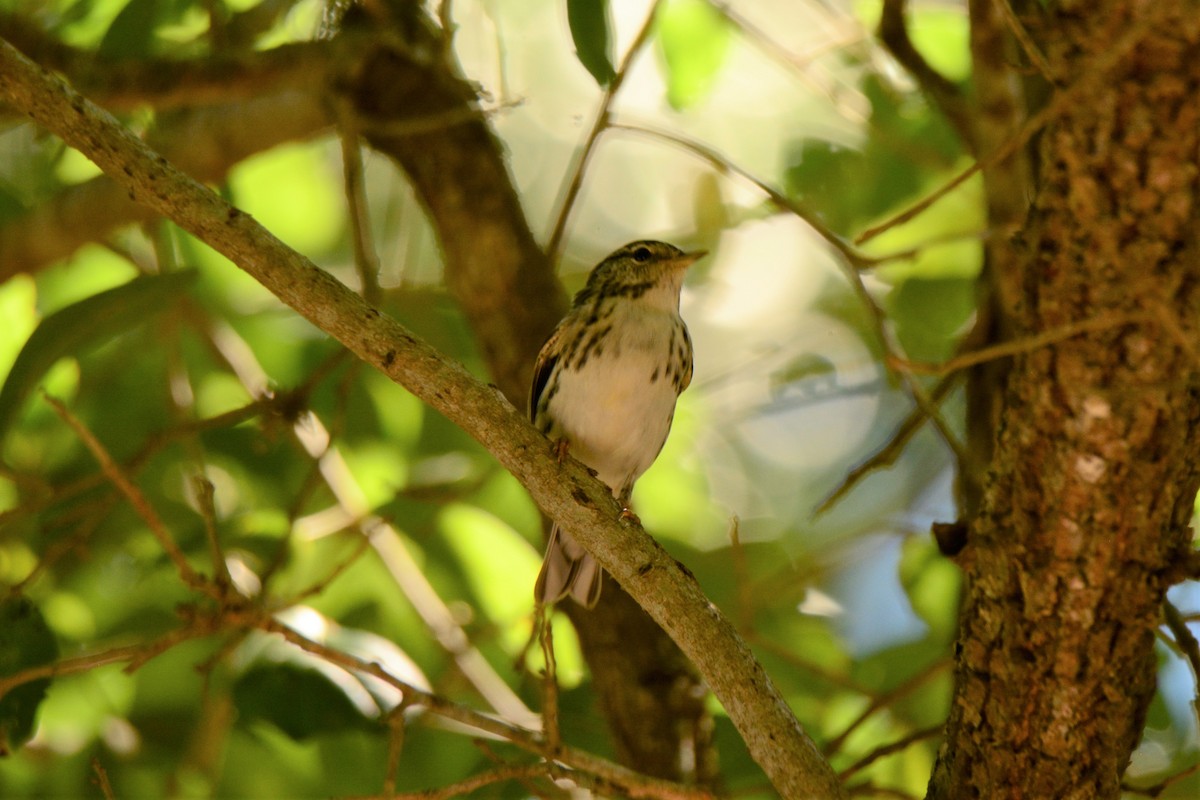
1090, 488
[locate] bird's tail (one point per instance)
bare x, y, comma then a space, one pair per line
568, 569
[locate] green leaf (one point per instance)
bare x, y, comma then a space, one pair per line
132, 31
588, 20
930, 314
695, 39
301, 702
25, 641
495, 558
932, 583
80, 326
303, 695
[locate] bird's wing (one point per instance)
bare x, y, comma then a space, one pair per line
687, 366
546, 359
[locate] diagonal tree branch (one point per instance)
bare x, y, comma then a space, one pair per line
567, 492
204, 142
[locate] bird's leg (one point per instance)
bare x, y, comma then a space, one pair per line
626, 500
561, 448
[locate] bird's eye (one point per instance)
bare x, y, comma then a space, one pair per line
641, 255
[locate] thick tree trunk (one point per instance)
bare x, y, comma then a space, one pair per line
1089, 495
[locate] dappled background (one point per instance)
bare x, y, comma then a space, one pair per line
381, 530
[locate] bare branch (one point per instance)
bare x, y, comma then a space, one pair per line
100, 779
554, 245
1025, 344
886, 699
889, 749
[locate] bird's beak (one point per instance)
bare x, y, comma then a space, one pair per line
687, 259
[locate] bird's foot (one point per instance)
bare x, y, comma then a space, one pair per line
627, 514
561, 448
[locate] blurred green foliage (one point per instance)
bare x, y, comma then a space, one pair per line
25, 642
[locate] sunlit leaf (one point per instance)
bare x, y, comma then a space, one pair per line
83, 326
25, 641
930, 314
932, 584
906, 141
498, 561
588, 20
291, 191
695, 39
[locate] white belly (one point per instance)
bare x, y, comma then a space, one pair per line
614, 415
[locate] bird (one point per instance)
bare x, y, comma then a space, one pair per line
604, 389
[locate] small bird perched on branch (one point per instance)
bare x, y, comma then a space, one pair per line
605, 385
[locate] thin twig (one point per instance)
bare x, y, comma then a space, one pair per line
1185, 640
531, 784
321, 584
466, 785
100, 779
601, 122
912, 386
1032, 51
889, 749
397, 731
135, 497
1023, 345
943, 93
886, 699
1060, 101
887, 455
75, 543
794, 659
204, 500
366, 261
130, 654
741, 576
837, 42
149, 448
549, 678
724, 166
630, 783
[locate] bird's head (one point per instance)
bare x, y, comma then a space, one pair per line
644, 270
